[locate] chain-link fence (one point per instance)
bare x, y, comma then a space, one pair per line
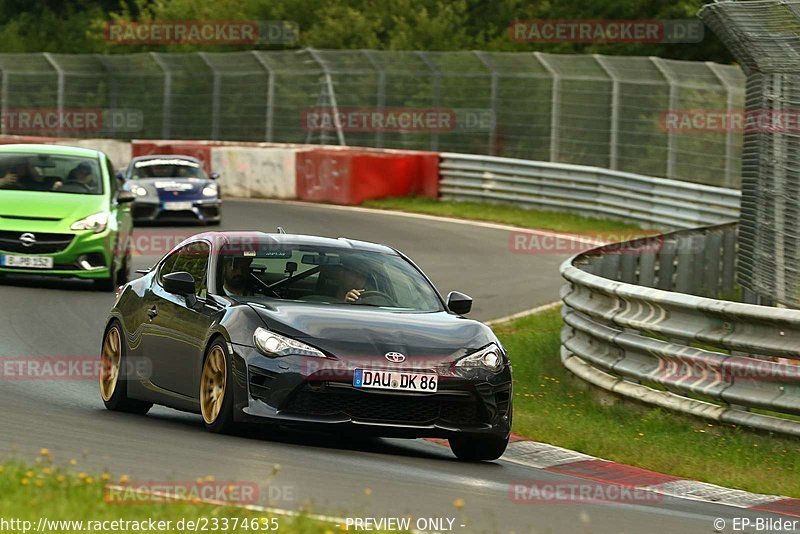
607, 111
764, 35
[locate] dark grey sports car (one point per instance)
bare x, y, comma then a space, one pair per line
254, 327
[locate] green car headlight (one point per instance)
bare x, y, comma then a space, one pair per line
97, 223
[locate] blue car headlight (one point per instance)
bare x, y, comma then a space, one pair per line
211, 190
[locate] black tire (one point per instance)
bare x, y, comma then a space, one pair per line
119, 401
478, 448
223, 422
118, 277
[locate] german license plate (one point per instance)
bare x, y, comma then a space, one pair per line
177, 206
30, 262
401, 381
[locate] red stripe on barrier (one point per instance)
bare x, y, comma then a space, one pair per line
783, 506
350, 177
613, 472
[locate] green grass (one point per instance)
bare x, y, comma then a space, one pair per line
554, 407
505, 214
31, 491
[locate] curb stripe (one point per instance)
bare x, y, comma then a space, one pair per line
614, 473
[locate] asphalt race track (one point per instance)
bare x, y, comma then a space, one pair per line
329, 473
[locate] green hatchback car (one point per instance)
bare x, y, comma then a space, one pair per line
63, 214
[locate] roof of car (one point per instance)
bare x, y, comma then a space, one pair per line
55, 150
295, 239
165, 156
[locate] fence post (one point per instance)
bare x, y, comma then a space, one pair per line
270, 94
436, 97
673, 105
555, 107
484, 58
332, 95
380, 96
60, 95
4, 102
166, 105
730, 141
215, 95
613, 141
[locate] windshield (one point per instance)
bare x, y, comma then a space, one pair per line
166, 168
50, 173
326, 275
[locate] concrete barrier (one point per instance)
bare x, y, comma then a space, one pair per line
255, 172
352, 176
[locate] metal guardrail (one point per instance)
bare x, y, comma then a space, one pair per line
626, 330
590, 191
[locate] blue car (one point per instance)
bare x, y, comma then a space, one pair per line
172, 189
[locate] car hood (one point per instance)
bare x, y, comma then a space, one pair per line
48, 206
349, 331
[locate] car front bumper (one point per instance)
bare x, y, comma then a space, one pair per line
306, 391
96, 249
151, 211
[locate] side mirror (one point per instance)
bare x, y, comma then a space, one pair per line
120, 176
214, 175
124, 197
180, 283
459, 303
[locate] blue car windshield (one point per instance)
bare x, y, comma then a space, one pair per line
50, 173
166, 168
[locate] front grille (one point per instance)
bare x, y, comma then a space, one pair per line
177, 215
383, 407
45, 243
209, 211
143, 212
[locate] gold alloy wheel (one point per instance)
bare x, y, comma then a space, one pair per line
212, 385
110, 363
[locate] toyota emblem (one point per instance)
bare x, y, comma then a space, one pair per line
395, 357
27, 239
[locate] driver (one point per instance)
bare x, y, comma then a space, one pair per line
79, 180
236, 275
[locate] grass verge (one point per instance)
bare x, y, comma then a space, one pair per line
505, 214
65, 498
554, 407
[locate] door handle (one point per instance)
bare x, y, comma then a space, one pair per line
152, 313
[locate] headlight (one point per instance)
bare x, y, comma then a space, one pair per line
273, 344
139, 191
97, 223
210, 191
489, 357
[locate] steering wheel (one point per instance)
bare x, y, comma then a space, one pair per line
373, 294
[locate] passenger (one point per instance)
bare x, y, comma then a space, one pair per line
26, 177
